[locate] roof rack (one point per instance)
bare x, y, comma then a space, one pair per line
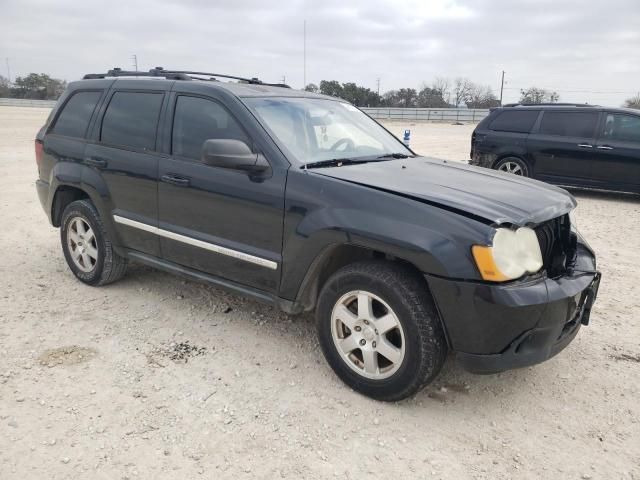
548, 104
178, 75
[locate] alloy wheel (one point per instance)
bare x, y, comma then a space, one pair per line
511, 167
82, 244
368, 335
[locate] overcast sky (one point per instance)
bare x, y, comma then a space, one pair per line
586, 50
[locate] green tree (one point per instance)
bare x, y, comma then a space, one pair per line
38, 86
429, 97
535, 95
331, 88
312, 87
633, 102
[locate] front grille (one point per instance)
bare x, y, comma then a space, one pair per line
556, 245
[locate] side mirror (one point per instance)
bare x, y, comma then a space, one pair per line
232, 154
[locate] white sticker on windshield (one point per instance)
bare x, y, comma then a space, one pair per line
349, 107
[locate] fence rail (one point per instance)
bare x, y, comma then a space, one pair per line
25, 102
415, 114
428, 114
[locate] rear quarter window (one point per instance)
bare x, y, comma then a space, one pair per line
76, 113
519, 121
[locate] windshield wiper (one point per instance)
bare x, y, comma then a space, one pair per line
395, 155
338, 162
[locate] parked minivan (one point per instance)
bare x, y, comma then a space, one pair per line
569, 145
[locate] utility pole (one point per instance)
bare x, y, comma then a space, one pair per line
501, 87
135, 61
8, 70
284, 80
304, 54
378, 82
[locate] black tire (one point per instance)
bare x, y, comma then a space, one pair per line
504, 163
109, 266
406, 292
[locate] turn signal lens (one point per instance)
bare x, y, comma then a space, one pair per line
487, 266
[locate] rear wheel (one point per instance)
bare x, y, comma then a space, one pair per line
379, 330
513, 165
87, 247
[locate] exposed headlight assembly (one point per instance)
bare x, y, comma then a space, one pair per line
513, 254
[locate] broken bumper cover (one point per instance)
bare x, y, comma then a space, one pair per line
493, 327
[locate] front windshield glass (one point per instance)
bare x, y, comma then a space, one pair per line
313, 130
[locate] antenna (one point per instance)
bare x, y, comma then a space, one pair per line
304, 54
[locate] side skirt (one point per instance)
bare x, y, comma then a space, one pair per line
285, 305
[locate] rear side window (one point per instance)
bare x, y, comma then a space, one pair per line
625, 128
519, 121
569, 124
76, 113
198, 119
131, 119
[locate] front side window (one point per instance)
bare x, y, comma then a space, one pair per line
76, 113
569, 124
516, 121
196, 120
131, 119
314, 130
625, 128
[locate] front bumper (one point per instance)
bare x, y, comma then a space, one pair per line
495, 327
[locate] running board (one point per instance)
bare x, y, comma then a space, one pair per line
191, 274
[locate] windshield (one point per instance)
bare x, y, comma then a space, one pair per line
313, 130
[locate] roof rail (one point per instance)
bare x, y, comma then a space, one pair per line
178, 75
549, 104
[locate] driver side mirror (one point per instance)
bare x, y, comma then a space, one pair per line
232, 154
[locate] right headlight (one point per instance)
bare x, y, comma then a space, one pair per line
513, 253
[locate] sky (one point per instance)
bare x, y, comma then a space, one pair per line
586, 50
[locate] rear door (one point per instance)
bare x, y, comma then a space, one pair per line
617, 164
124, 153
562, 147
223, 222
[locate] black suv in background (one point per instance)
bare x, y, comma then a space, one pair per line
304, 202
570, 145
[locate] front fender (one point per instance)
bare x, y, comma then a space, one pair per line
322, 212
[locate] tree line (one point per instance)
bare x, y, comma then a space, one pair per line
441, 93
36, 86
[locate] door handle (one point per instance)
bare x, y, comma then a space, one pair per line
95, 162
175, 180
585, 145
605, 147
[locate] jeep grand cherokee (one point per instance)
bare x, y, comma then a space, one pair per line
304, 202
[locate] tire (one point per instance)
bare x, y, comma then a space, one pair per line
99, 264
513, 165
419, 335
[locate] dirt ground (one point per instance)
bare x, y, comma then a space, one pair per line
157, 377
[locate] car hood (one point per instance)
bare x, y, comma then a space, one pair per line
490, 196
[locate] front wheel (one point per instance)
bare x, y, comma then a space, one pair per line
379, 330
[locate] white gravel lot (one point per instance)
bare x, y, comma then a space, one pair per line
255, 399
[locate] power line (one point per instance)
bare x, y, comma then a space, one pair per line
575, 91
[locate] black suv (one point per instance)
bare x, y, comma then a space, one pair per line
570, 145
304, 202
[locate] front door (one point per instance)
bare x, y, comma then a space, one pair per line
562, 148
219, 221
618, 161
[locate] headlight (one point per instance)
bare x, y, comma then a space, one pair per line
513, 253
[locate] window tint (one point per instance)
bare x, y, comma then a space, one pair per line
519, 121
568, 124
74, 118
131, 119
198, 119
625, 128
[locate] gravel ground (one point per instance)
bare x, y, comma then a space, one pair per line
157, 377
